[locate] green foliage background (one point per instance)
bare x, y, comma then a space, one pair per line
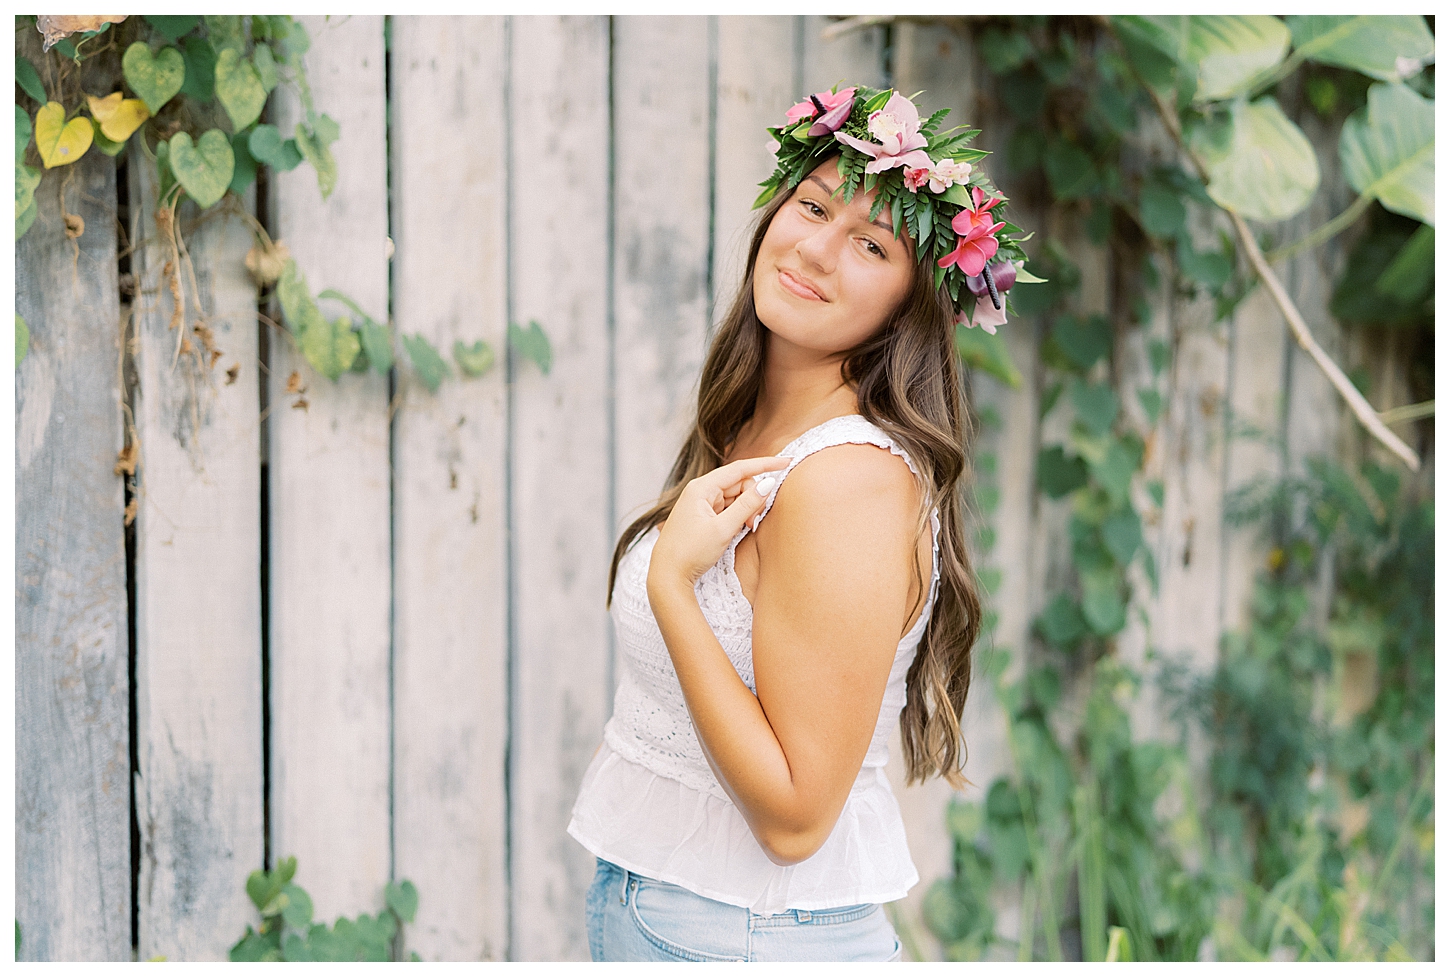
1311, 836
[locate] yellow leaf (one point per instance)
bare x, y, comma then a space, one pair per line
60, 142
118, 116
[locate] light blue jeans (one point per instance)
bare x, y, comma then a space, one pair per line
631, 917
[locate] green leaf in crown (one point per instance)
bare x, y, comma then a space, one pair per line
923, 178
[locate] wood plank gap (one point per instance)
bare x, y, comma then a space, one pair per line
510, 557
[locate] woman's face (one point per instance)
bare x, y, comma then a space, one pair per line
826, 277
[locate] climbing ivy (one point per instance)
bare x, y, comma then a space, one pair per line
1108, 845
190, 91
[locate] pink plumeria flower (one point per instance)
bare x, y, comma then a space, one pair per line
838, 110
948, 172
897, 126
976, 245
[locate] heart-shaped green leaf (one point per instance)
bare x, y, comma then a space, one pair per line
324, 127
472, 360
1411, 276
239, 89
22, 342
377, 339
426, 360
1385, 47
204, 167
1083, 340
244, 168
402, 898
532, 344
61, 142
200, 57
1122, 535
316, 152
268, 146
29, 79
261, 888
154, 78
331, 347
22, 133
1387, 149
1263, 167
1061, 622
1232, 52
1102, 603
1059, 473
265, 66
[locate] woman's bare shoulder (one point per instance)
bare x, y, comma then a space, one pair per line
858, 491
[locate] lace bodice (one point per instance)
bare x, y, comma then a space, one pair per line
651, 725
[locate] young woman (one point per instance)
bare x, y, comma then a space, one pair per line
738, 807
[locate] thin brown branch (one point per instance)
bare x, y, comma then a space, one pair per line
1300, 330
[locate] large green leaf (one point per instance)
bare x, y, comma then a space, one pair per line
1059, 473
1230, 53
1263, 167
1410, 277
155, 79
239, 89
1388, 150
331, 347
27, 178
532, 344
1383, 47
29, 79
204, 167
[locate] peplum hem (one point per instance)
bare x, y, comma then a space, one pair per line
711, 851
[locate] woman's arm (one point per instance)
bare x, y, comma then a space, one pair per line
835, 571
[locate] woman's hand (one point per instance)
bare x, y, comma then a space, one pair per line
707, 515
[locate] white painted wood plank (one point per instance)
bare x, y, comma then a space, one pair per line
72, 797
753, 89
853, 58
329, 496
561, 524
198, 591
661, 250
450, 525
1254, 427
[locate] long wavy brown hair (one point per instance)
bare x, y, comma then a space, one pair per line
908, 382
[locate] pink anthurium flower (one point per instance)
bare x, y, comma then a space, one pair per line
976, 245
836, 104
897, 126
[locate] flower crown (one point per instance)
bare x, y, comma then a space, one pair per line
923, 177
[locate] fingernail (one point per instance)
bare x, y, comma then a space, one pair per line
764, 484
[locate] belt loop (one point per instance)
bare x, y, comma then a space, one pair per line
802, 915
624, 889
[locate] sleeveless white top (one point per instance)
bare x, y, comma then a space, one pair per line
649, 801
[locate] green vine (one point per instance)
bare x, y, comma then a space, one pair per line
288, 932
190, 91
1101, 840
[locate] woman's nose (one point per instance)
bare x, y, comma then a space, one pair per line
820, 246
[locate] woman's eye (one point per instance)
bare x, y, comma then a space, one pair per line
815, 209
875, 248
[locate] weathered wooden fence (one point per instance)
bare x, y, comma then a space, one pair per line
370, 632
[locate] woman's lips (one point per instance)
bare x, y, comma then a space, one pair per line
796, 286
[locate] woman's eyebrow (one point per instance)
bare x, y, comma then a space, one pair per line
885, 227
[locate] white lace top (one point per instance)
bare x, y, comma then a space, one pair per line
649, 800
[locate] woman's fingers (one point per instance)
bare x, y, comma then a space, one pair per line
728, 477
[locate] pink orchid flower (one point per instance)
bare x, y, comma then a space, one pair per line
976, 245
836, 104
897, 126
915, 179
948, 172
